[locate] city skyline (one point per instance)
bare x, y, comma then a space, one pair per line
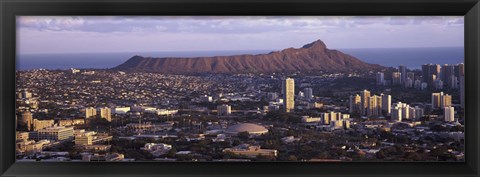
175, 33
305, 101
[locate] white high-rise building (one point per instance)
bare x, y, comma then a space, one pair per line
364, 95
449, 113
386, 103
372, 106
397, 114
289, 96
402, 110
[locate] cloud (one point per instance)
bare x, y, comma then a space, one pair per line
56, 23
170, 33
220, 24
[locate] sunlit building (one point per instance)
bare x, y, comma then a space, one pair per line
386, 103
106, 113
41, 124
27, 119
90, 112
57, 133
449, 113
289, 96
355, 103
364, 95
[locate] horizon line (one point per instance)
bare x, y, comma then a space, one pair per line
270, 50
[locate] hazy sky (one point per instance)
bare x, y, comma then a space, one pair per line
68, 34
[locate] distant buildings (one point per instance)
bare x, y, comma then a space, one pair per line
27, 119
24, 95
106, 113
449, 113
461, 76
386, 103
380, 78
396, 78
308, 92
272, 96
374, 106
370, 105
251, 151
308, 119
83, 139
289, 96
89, 138
90, 112
429, 74
157, 149
400, 111
440, 100
447, 75
206, 98
74, 71
121, 110
403, 73
57, 133
41, 124
416, 112
22, 136
224, 110
355, 103
364, 95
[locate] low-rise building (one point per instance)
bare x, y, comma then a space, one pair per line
251, 151
57, 133
41, 124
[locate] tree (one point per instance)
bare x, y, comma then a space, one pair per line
380, 154
292, 158
244, 136
172, 152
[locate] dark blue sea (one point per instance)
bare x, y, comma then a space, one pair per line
410, 57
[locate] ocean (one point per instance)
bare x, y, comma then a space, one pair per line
411, 57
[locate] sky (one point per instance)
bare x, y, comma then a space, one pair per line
93, 34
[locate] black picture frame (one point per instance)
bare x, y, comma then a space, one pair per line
470, 9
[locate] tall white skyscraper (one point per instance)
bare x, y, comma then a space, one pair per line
289, 96
449, 113
364, 95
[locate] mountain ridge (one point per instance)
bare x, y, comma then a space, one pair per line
314, 56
